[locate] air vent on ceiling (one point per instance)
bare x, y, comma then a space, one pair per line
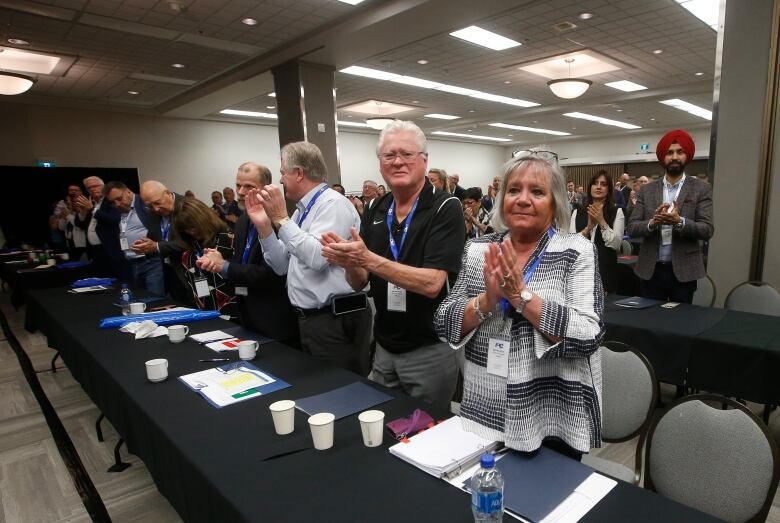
562, 27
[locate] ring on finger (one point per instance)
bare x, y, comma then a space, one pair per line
507, 275
502, 284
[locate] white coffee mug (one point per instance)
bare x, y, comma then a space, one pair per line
51, 261
138, 307
177, 333
247, 349
157, 370
64, 256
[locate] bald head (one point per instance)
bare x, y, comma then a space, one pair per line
157, 197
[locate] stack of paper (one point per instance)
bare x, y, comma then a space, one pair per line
444, 449
232, 383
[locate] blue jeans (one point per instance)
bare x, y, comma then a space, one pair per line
148, 274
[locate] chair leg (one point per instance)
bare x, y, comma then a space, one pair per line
98, 430
118, 465
53, 361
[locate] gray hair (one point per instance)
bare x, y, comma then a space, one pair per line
308, 158
264, 176
561, 214
90, 178
401, 126
371, 183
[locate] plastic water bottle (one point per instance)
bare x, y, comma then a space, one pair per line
125, 298
487, 491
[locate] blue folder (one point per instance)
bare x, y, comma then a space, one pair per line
344, 401
636, 302
534, 484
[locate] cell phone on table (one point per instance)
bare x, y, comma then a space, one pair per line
349, 303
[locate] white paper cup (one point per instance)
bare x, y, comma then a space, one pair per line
157, 370
138, 307
51, 261
176, 333
247, 349
283, 413
372, 425
321, 426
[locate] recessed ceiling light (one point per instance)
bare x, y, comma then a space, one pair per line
270, 107
133, 92
529, 129
701, 112
585, 16
619, 110
471, 110
178, 66
440, 116
427, 84
652, 119
249, 21
698, 74
415, 101
476, 136
251, 114
351, 2
705, 10
510, 135
603, 121
507, 82
18, 41
469, 130
485, 38
625, 85
272, 95
422, 62
658, 51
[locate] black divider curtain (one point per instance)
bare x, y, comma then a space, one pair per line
30, 194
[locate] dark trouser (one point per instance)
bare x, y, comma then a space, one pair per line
663, 285
147, 273
100, 261
343, 340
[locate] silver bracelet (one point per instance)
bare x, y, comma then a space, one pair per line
481, 315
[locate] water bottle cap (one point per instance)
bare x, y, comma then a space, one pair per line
487, 461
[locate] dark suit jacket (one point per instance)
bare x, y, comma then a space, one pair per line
459, 192
267, 308
694, 203
168, 248
107, 228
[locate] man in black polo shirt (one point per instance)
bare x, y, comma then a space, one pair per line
409, 269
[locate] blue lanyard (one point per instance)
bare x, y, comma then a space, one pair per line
311, 204
396, 249
165, 229
250, 238
503, 302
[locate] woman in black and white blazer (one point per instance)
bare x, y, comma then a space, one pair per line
528, 308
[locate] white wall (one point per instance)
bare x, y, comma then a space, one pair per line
622, 148
194, 154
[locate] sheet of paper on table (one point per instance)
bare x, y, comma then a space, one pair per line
206, 337
232, 383
87, 290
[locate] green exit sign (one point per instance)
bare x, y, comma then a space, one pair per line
645, 147
45, 163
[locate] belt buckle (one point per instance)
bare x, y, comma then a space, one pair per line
300, 313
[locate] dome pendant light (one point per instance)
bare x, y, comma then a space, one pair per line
569, 87
14, 83
378, 122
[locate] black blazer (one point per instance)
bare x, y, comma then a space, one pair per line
107, 228
267, 308
170, 248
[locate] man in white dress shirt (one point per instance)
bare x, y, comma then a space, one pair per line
334, 321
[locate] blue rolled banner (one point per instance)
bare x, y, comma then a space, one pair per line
160, 318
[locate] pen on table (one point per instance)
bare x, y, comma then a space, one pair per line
214, 359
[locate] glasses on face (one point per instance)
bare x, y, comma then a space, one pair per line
550, 157
405, 156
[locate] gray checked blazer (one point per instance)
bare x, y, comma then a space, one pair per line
695, 205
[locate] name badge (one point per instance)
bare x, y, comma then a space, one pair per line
666, 236
201, 287
242, 291
123, 244
498, 357
396, 298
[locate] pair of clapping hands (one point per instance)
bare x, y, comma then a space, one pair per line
666, 214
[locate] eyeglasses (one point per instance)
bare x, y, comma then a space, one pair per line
405, 156
547, 156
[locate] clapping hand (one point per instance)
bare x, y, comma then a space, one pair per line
273, 203
211, 261
344, 253
595, 216
664, 217
256, 210
503, 276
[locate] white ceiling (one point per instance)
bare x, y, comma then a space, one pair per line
113, 40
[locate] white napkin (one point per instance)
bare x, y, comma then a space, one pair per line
144, 329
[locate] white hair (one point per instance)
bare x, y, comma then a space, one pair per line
400, 126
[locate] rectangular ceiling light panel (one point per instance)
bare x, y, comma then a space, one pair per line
682, 105
474, 136
426, 84
625, 85
440, 116
603, 121
27, 62
584, 64
485, 38
705, 10
250, 114
529, 129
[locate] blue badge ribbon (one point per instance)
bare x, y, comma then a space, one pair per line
396, 249
165, 229
311, 204
250, 238
503, 302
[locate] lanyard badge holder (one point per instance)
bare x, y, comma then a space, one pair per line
243, 290
396, 296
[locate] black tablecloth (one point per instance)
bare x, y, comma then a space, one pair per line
663, 335
23, 278
228, 465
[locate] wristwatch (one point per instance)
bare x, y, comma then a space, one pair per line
525, 297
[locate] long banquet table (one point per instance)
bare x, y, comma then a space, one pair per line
228, 464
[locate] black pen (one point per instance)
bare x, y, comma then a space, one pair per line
214, 359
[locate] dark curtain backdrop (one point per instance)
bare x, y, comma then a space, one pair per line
30, 194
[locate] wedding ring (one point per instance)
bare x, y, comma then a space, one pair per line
507, 275
502, 284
